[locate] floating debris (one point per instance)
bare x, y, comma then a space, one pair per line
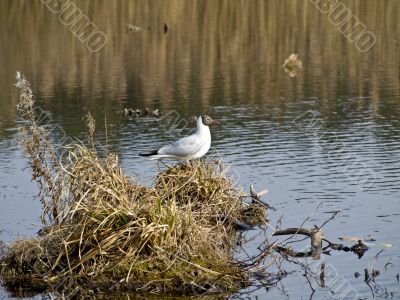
292, 65
359, 248
151, 113
356, 239
130, 112
366, 241
132, 28
256, 197
317, 236
142, 113
386, 245
165, 27
375, 273
370, 276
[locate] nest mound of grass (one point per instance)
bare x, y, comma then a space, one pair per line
104, 231
115, 233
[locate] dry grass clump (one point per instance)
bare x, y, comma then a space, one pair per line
203, 187
111, 233
117, 233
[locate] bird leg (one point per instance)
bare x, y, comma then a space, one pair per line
165, 164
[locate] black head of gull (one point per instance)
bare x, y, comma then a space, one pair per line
207, 120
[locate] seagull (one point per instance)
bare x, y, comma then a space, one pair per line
190, 147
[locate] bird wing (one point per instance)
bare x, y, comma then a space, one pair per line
186, 146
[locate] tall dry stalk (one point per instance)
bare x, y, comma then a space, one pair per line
41, 155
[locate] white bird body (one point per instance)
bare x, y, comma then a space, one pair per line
190, 147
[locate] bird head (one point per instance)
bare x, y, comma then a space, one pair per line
207, 120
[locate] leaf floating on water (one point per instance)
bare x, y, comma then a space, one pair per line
292, 61
350, 238
292, 65
356, 239
132, 28
365, 240
386, 245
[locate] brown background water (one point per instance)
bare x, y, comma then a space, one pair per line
225, 58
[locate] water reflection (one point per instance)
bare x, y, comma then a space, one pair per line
223, 58
214, 53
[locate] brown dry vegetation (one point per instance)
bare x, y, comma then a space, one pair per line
106, 231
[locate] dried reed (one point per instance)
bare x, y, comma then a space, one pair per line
106, 231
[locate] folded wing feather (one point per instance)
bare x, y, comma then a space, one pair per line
186, 146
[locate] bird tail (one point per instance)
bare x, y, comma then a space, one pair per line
155, 152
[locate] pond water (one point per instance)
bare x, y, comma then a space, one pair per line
326, 139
